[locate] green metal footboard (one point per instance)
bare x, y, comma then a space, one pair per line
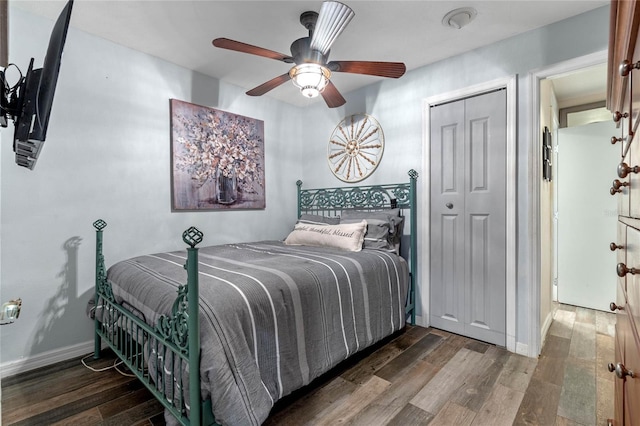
332, 201
173, 344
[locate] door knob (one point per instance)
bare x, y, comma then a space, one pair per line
620, 370
624, 170
613, 307
622, 270
614, 247
449, 205
614, 191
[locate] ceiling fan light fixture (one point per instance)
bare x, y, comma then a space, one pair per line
310, 78
459, 18
332, 20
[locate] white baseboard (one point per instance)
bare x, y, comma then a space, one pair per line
522, 349
419, 321
545, 328
511, 343
46, 358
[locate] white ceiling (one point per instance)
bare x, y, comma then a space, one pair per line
181, 31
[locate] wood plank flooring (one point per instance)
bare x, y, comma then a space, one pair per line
419, 377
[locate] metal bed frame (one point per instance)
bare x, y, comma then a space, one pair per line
177, 336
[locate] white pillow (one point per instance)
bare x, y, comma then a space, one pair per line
348, 236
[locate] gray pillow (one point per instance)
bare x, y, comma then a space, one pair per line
391, 215
318, 219
377, 236
384, 229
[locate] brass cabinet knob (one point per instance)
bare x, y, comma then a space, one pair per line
624, 170
620, 370
613, 307
615, 140
617, 116
615, 188
626, 67
622, 270
614, 247
617, 184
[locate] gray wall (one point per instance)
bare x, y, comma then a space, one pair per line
107, 156
397, 105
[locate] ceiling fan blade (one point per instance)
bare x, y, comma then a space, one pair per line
381, 69
269, 85
332, 20
331, 96
238, 46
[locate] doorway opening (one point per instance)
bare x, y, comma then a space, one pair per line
565, 97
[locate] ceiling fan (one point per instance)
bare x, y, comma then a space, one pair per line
312, 71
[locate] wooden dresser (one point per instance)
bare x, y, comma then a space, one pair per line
623, 100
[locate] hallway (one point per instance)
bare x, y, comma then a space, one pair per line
571, 382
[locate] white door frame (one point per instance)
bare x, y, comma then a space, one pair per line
508, 83
535, 164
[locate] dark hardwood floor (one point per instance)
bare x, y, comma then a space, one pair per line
421, 376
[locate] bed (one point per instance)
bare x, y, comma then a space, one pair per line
256, 321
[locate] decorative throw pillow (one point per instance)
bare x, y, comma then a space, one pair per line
344, 236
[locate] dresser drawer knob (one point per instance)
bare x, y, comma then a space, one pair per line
624, 170
615, 188
626, 67
615, 140
620, 370
617, 184
613, 307
614, 247
622, 270
617, 116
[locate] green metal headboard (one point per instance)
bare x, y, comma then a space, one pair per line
332, 201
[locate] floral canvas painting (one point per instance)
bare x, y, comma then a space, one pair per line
217, 159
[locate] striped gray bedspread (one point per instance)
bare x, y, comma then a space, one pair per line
273, 317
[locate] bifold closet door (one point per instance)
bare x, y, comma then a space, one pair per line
468, 217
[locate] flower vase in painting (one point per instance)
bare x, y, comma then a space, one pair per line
226, 185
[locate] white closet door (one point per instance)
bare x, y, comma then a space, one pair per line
468, 217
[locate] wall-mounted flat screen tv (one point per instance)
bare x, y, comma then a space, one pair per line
28, 102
